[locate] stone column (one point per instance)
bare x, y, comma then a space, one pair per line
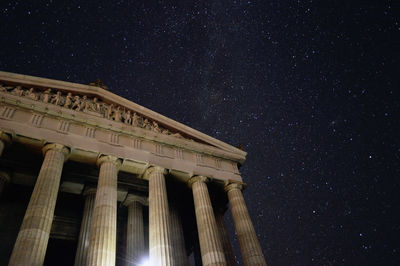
84, 235
103, 228
160, 248
249, 245
219, 218
212, 252
31, 244
177, 238
135, 232
4, 179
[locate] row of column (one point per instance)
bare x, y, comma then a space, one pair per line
97, 241
135, 228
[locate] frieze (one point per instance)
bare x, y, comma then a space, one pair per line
90, 105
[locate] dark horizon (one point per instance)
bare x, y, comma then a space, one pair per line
310, 90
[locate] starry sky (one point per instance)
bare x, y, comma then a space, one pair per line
309, 88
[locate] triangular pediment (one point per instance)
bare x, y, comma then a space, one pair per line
96, 101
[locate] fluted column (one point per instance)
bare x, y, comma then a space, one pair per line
177, 238
103, 228
31, 244
4, 179
212, 252
84, 234
249, 245
219, 218
135, 232
160, 248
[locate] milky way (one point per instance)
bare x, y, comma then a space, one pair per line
309, 89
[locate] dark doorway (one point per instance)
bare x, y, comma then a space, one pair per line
60, 252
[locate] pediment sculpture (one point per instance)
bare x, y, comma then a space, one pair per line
90, 105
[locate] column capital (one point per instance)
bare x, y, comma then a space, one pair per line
153, 169
109, 158
230, 184
58, 147
89, 191
131, 198
196, 178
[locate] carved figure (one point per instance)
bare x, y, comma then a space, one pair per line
18, 91
3, 89
108, 110
156, 128
177, 135
46, 95
135, 120
146, 124
85, 105
56, 98
166, 131
128, 117
77, 103
117, 114
96, 106
68, 100
31, 94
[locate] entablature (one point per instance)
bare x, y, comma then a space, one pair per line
90, 102
36, 123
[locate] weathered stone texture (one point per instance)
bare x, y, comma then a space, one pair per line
135, 234
212, 253
103, 232
31, 244
249, 245
84, 235
177, 238
159, 238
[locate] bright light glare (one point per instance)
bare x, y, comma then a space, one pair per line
145, 262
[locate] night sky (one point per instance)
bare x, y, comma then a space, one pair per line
309, 88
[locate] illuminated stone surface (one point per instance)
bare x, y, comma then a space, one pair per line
84, 235
31, 244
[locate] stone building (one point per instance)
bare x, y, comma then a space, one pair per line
90, 178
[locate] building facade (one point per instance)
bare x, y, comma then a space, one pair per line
90, 178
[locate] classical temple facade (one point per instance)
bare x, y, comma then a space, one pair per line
90, 178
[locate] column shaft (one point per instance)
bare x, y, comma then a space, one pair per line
159, 239
212, 252
135, 234
249, 245
31, 244
177, 238
103, 232
84, 234
219, 217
